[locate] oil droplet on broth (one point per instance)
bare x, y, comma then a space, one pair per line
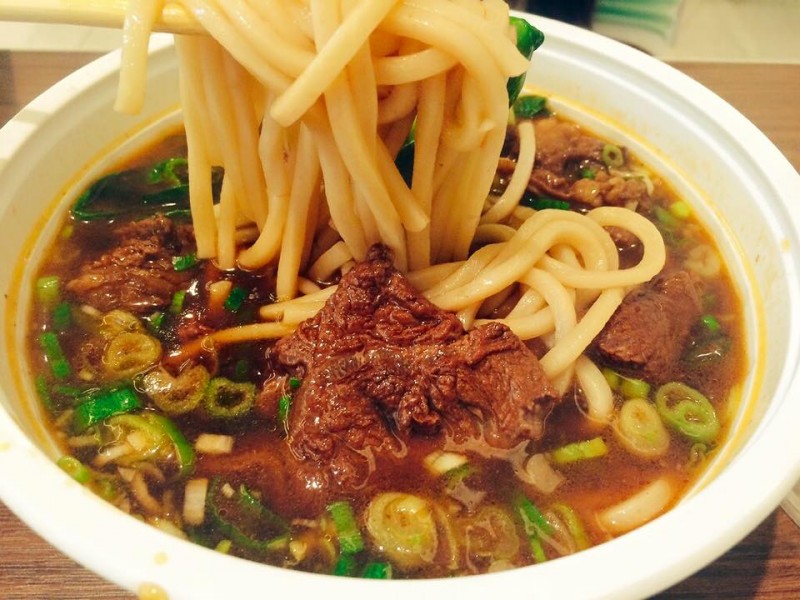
151, 591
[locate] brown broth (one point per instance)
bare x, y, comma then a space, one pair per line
311, 545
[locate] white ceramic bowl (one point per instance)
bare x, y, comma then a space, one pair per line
738, 182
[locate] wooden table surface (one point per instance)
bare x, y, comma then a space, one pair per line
765, 565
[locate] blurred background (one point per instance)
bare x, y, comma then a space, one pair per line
673, 30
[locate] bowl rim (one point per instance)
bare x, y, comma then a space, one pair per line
188, 570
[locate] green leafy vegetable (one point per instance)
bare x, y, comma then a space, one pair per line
528, 39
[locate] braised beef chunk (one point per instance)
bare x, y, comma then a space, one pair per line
648, 333
379, 363
137, 274
564, 154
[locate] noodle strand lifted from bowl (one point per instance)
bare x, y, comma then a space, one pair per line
307, 104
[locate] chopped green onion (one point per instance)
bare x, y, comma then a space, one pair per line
697, 454
587, 173
236, 517
666, 218
527, 107
59, 365
711, 323
43, 391
155, 321
104, 404
538, 549
688, 411
535, 524
61, 317
176, 395
639, 429
235, 299
350, 540
48, 290
265, 515
178, 298
377, 570
634, 388
295, 382
578, 451
345, 566
613, 378
185, 262
533, 519
228, 399
183, 449
542, 203
680, 210
574, 525
241, 369
75, 469
612, 156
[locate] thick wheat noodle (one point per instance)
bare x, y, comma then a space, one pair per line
246, 125
201, 198
528, 303
521, 254
272, 148
398, 104
557, 298
599, 398
355, 144
305, 186
425, 278
504, 56
410, 68
573, 344
232, 335
492, 233
430, 117
467, 129
222, 119
139, 22
274, 311
516, 187
330, 59
466, 272
226, 225
218, 25
327, 264
527, 327
285, 23
339, 194
263, 35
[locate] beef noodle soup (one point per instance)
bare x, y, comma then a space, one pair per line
370, 427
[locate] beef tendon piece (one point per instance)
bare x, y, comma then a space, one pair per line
648, 333
380, 363
137, 274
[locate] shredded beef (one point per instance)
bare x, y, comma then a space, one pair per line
648, 333
379, 363
137, 274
